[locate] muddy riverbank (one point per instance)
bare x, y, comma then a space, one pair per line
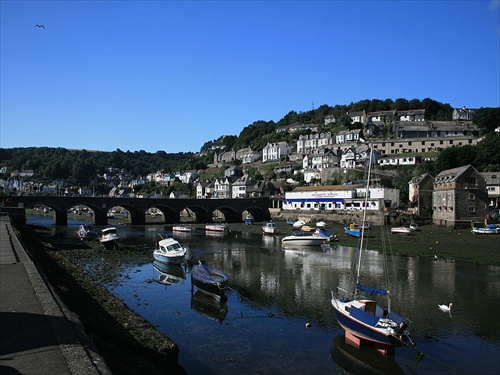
128, 343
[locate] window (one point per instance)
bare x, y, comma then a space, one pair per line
472, 197
472, 210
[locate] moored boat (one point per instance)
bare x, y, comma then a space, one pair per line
183, 228
87, 233
169, 250
269, 228
109, 236
401, 230
489, 229
249, 220
299, 224
301, 238
362, 318
353, 230
209, 280
216, 227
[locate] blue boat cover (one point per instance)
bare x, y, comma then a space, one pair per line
372, 291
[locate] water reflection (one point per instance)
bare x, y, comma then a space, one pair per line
168, 274
209, 306
293, 287
365, 360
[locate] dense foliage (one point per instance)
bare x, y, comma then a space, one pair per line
80, 167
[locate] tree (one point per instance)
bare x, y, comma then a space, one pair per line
487, 119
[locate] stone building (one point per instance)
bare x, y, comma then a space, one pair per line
460, 197
420, 195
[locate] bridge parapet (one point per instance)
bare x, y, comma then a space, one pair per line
233, 209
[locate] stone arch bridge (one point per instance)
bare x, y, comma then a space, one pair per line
233, 209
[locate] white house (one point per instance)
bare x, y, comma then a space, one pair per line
222, 188
347, 136
274, 151
241, 186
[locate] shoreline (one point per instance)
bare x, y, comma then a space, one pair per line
128, 343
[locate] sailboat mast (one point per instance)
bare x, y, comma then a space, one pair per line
363, 224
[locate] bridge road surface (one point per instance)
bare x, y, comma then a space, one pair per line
38, 334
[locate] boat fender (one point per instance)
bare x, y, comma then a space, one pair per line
403, 326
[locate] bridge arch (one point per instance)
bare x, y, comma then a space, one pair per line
232, 209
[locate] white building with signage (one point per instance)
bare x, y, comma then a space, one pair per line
340, 197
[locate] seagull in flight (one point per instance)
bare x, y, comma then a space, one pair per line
38, 25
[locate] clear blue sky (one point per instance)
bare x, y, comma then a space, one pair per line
172, 75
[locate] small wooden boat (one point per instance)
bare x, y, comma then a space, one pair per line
489, 229
269, 228
169, 251
209, 280
353, 230
401, 230
87, 233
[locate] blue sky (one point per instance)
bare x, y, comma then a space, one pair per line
172, 75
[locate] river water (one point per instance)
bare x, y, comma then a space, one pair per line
276, 291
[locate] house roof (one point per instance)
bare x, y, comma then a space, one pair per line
453, 174
326, 188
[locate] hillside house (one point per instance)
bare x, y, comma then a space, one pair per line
295, 127
493, 187
314, 141
418, 145
423, 129
247, 155
242, 186
420, 194
204, 189
460, 197
274, 151
348, 136
463, 113
330, 119
381, 116
411, 115
222, 188
286, 167
357, 116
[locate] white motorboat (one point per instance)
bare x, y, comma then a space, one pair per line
216, 227
184, 228
401, 230
109, 236
169, 251
300, 238
269, 228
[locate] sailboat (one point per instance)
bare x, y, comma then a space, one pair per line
361, 318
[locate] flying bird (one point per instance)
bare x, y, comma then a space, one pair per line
38, 25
